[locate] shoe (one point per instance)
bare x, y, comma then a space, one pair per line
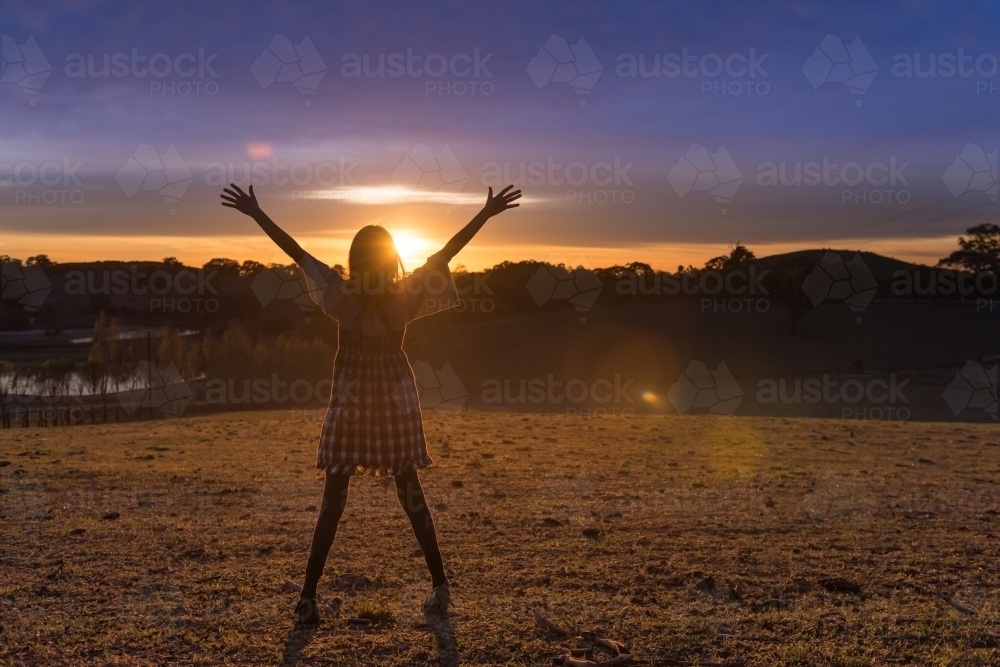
306, 612
439, 600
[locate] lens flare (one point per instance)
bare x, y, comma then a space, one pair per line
411, 248
259, 149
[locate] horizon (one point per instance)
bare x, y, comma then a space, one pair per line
459, 265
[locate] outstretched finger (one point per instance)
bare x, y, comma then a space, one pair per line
514, 195
504, 191
229, 205
490, 196
229, 196
512, 205
229, 192
237, 188
252, 195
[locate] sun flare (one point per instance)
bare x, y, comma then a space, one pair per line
411, 248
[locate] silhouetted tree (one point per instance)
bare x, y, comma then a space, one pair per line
738, 258
40, 260
99, 370
8, 377
979, 252
223, 266
250, 268
54, 377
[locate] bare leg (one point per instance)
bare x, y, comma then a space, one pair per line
411, 497
332, 508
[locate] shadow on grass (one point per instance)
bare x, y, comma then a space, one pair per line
298, 638
443, 629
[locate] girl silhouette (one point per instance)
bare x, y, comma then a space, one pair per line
373, 425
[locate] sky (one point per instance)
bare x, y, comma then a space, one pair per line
650, 132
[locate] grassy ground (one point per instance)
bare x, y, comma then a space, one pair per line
693, 540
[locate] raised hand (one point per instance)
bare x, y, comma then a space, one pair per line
494, 205
241, 201
247, 204
501, 202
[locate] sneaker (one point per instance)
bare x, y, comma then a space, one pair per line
306, 612
439, 600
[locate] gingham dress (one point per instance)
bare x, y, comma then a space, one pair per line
373, 424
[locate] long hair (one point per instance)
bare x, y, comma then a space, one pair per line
373, 263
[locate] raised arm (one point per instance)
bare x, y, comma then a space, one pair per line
494, 206
247, 204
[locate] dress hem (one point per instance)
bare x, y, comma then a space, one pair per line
363, 470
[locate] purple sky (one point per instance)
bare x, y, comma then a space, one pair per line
358, 144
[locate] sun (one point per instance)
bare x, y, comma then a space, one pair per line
410, 247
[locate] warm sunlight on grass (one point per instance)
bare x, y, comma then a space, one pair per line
695, 540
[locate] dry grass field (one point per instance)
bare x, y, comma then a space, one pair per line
692, 540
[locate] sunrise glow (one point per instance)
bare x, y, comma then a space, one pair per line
412, 249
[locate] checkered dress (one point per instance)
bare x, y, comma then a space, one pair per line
373, 424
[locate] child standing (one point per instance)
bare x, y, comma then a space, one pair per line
373, 424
